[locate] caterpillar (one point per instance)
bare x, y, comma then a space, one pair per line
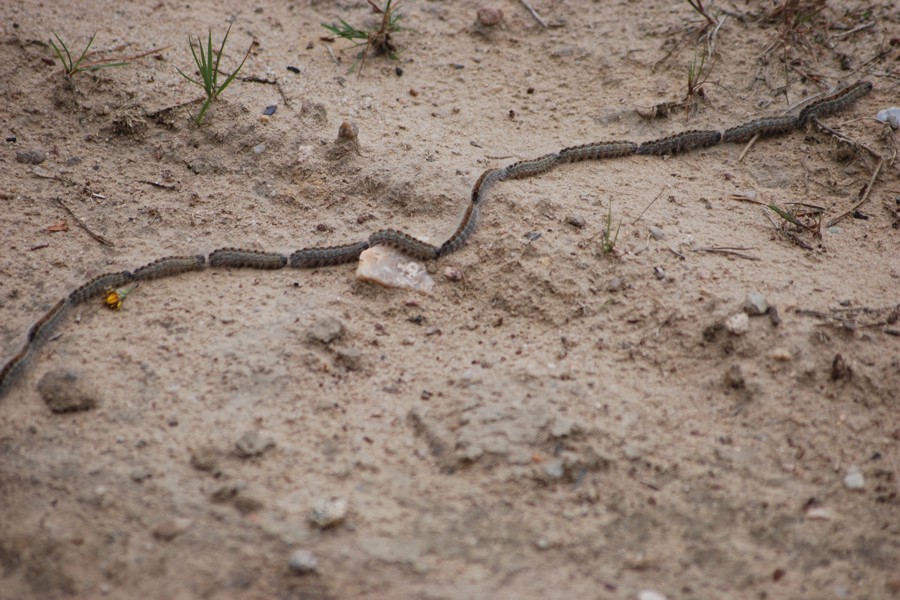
99, 285
44, 326
466, 228
675, 144
487, 179
529, 168
597, 151
835, 102
764, 127
169, 265
403, 242
246, 259
327, 256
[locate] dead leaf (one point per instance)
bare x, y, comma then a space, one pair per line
60, 226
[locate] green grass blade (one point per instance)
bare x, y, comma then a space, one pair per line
191, 79
86, 48
104, 66
234, 74
67, 64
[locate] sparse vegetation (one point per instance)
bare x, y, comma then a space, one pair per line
378, 41
71, 66
608, 240
207, 63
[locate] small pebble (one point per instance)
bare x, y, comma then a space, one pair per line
734, 377
532, 236
854, 479
563, 426
659, 272
576, 221
253, 443
259, 149
755, 304
172, 528
205, 458
554, 470
329, 512
303, 562
31, 157
270, 110
631, 452
781, 354
489, 17
818, 513
326, 330
452, 274
615, 285
293, 69
891, 116
650, 595
247, 504
738, 324
140, 474
834, 230
656, 233
66, 391
348, 131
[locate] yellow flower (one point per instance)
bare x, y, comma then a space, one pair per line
114, 298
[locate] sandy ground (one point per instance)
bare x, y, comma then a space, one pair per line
561, 422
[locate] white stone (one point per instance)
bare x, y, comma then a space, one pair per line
392, 268
303, 561
738, 324
854, 479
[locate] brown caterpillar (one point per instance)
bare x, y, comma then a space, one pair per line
45, 325
99, 285
246, 259
169, 265
309, 258
597, 151
13, 368
765, 127
487, 179
834, 103
403, 242
528, 168
675, 144
462, 233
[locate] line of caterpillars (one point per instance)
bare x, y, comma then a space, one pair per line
334, 255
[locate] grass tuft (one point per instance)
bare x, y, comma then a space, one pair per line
376, 40
71, 66
207, 63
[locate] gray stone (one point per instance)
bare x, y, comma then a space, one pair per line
66, 391
575, 221
254, 443
554, 470
303, 562
656, 233
631, 452
755, 304
326, 330
31, 157
562, 426
329, 512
